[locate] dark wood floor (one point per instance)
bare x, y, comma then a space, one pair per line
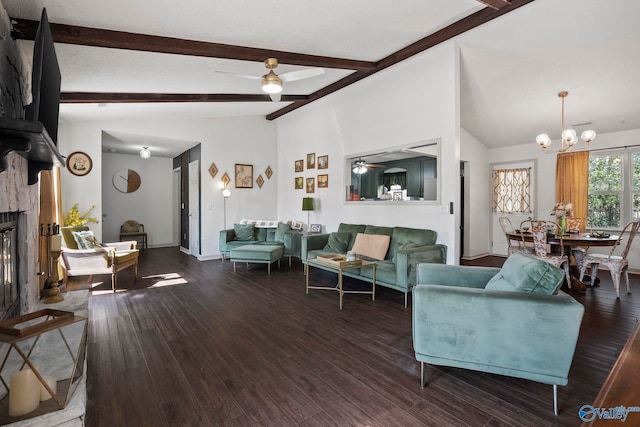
193, 344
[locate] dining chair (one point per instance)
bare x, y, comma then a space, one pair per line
513, 245
539, 230
617, 264
574, 225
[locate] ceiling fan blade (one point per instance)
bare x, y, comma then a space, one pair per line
275, 97
374, 165
244, 76
301, 74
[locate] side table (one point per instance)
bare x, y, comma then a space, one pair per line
339, 267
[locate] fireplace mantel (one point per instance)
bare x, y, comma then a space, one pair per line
30, 140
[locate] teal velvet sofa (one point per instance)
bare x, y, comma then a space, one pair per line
512, 321
249, 234
407, 248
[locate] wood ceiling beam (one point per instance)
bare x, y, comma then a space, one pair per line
465, 24
115, 98
495, 4
70, 34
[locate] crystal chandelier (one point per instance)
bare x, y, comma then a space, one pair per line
569, 136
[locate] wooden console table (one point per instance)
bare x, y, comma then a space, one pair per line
621, 387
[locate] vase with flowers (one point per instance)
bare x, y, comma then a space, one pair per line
75, 217
561, 211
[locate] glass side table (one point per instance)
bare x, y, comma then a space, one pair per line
46, 350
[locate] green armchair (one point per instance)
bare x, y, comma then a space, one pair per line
511, 321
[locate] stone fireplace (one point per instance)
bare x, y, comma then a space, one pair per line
19, 213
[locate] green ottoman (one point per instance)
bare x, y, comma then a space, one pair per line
260, 254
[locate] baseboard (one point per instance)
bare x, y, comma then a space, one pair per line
208, 257
474, 257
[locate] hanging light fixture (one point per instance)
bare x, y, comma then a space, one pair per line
145, 153
271, 83
568, 136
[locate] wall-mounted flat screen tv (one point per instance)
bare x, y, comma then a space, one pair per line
45, 82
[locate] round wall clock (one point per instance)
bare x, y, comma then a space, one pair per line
79, 163
126, 180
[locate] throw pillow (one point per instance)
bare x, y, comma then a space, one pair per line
282, 228
372, 245
407, 245
524, 273
338, 242
86, 240
244, 232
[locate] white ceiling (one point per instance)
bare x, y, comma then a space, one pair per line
511, 68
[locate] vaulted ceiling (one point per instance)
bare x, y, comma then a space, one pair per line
144, 58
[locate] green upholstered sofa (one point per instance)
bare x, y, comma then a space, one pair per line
511, 321
248, 233
407, 248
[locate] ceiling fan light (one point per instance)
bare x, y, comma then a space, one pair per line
271, 83
145, 153
588, 136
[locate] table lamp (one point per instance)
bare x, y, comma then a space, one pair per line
307, 205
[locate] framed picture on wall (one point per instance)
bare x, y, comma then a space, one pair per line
244, 176
79, 163
299, 165
323, 162
311, 161
323, 181
311, 184
299, 183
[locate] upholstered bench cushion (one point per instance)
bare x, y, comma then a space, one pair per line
257, 253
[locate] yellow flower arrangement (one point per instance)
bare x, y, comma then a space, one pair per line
75, 218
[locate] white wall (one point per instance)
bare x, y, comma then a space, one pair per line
248, 140
151, 204
415, 100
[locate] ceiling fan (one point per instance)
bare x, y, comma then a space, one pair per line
272, 83
360, 166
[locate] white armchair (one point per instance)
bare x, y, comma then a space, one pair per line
110, 258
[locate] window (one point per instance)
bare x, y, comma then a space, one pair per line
614, 189
512, 190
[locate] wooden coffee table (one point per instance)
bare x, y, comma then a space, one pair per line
338, 263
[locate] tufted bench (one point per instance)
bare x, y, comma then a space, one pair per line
259, 254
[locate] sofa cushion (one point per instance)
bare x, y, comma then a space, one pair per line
67, 235
244, 232
86, 240
376, 229
524, 273
338, 242
282, 228
372, 245
402, 235
385, 272
408, 245
354, 229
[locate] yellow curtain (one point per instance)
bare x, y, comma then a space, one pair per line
572, 182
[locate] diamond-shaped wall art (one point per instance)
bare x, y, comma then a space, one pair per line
213, 170
268, 172
260, 181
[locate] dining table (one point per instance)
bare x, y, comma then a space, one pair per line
571, 241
